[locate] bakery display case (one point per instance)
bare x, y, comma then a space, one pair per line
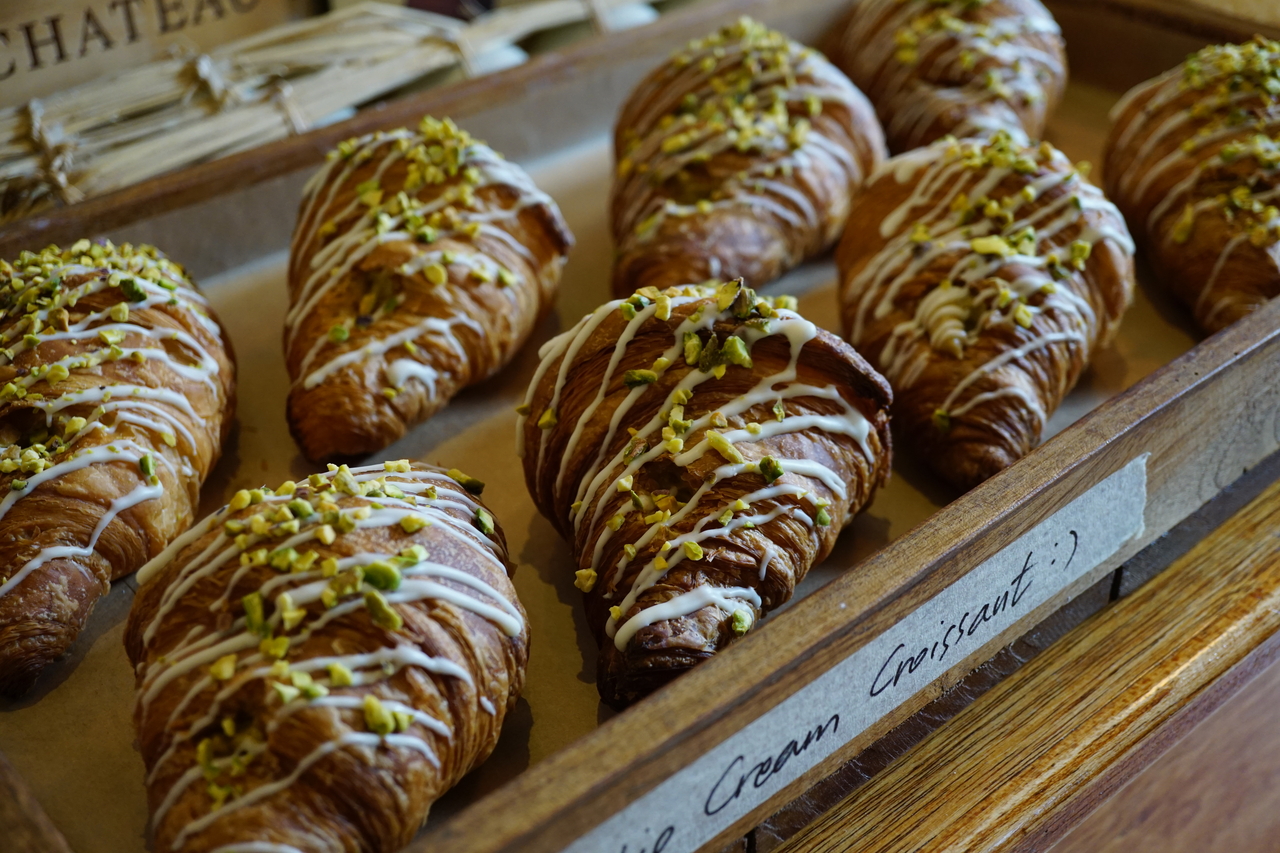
1020, 666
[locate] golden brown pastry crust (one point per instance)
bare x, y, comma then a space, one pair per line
981, 326
962, 68
446, 255
314, 720
715, 508
736, 159
1193, 160
111, 417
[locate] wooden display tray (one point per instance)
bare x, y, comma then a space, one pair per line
1194, 426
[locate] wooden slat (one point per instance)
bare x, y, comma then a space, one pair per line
1216, 789
1189, 416
1022, 765
1203, 19
24, 827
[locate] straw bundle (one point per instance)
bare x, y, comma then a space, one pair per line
187, 109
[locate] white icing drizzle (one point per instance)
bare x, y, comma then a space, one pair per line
603, 489
1012, 263
361, 227
390, 495
685, 603
899, 43
38, 311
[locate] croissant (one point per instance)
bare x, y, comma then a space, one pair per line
980, 277
1193, 160
116, 392
317, 664
420, 264
736, 159
700, 449
955, 67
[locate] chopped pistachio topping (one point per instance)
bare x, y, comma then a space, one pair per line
381, 612
637, 378
724, 447
339, 675
382, 575
741, 621
223, 668
274, 647
413, 523
991, 246
585, 579
254, 619
376, 716
470, 484
770, 469
286, 692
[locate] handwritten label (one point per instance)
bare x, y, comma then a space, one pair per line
704, 798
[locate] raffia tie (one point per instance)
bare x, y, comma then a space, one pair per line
55, 155
209, 79
294, 118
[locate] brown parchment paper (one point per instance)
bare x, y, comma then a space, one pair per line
72, 738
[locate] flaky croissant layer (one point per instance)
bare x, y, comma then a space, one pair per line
980, 276
317, 664
420, 263
1193, 160
116, 391
736, 159
701, 448
958, 67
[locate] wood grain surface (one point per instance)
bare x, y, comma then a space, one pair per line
1019, 767
24, 827
1216, 789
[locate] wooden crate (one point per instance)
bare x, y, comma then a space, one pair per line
723, 748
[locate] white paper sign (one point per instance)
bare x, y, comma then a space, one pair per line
704, 798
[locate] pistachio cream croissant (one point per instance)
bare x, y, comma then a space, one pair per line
116, 391
958, 67
317, 664
736, 159
1193, 160
980, 277
701, 448
420, 264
